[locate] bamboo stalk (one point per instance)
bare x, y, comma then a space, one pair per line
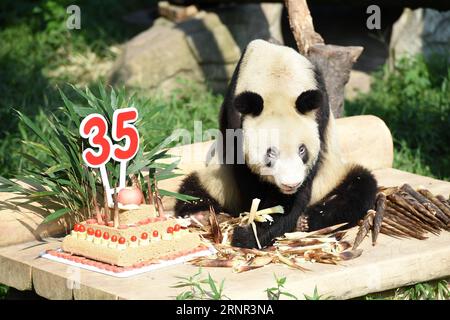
392, 232
426, 198
428, 217
379, 214
364, 228
444, 201
404, 222
426, 210
444, 212
407, 214
403, 229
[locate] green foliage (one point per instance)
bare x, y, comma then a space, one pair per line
316, 296
200, 289
414, 101
431, 290
3, 291
57, 176
424, 291
275, 293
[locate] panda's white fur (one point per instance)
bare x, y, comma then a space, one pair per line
279, 75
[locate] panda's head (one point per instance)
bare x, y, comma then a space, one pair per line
278, 97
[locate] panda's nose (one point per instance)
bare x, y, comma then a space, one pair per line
290, 185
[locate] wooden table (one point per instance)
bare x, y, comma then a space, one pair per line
391, 263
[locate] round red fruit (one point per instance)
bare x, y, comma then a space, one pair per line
155, 233
90, 231
114, 238
106, 235
81, 228
76, 227
122, 240
98, 233
176, 227
133, 238
144, 235
130, 195
169, 230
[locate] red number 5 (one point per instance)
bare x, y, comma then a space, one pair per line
94, 127
122, 129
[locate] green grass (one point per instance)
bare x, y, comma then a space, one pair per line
3, 291
431, 290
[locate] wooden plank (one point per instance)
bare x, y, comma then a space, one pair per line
390, 264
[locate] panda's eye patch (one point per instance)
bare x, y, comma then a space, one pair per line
308, 100
249, 103
271, 156
303, 152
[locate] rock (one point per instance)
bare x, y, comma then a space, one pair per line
425, 31
359, 82
202, 49
176, 13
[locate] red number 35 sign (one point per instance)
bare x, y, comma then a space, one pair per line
95, 128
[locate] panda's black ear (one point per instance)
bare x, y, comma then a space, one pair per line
249, 103
308, 100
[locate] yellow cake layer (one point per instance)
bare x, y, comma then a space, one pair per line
136, 215
130, 255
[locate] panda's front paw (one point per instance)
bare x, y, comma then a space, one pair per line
243, 237
303, 223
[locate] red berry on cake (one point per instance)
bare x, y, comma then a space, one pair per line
81, 228
90, 234
106, 235
121, 245
144, 241
76, 227
114, 238
155, 233
176, 227
133, 238
98, 233
169, 230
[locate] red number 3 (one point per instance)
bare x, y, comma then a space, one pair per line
94, 128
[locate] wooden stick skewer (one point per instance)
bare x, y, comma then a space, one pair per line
158, 201
149, 189
98, 214
116, 209
106, 207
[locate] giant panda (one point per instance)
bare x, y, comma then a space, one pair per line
275, 91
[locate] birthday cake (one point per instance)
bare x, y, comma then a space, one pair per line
144, 238
129, 231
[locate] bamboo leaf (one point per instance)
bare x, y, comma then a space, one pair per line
56, 215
